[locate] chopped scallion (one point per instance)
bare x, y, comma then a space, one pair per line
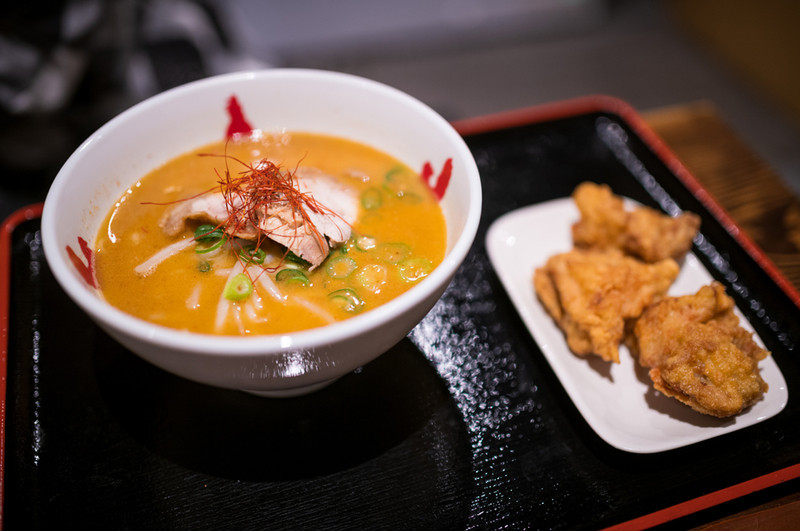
294, 259
253, 254
207, 232
340, 266
291, 276
399, 183
347, 300
393, 252
365, 243
212, 237
414, 269
371, 199
371, 277
238, 288
394, 172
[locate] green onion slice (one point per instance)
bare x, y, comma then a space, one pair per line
365, 243
294, 259
371, 198
203, 266
212, 237
291, 276
214, 247
371, 277
347, 299
206, 233
399, 183
414, 269
393, 252
253, 254
395, 173
340, 266
238, 288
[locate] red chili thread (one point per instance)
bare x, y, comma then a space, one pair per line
250, 195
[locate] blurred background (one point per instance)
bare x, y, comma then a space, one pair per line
68, 66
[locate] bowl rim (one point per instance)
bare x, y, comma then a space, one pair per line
214, 344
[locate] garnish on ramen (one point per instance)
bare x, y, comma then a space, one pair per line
269, 234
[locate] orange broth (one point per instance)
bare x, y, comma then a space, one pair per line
398, 238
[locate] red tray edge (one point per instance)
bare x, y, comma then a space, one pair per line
6, 230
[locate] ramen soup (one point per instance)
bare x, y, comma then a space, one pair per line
268, 234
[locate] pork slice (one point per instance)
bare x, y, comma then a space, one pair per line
333, 209
341, 204
330, 213
207, 208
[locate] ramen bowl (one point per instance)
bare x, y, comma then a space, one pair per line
157, 130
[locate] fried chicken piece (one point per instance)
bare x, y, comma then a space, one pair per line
642, 232
698, 353
591, 294
603, 217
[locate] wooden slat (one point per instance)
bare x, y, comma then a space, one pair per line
740, 180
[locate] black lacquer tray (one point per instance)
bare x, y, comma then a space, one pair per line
462, 425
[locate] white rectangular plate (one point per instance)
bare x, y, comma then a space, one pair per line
617, 400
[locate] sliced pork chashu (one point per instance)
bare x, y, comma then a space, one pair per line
328, 211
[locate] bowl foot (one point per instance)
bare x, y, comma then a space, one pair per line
291, 392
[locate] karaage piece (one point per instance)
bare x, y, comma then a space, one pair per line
698, 353
641, 232
590, 295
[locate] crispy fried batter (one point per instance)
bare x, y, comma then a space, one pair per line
641, 232
698, 353
591, 294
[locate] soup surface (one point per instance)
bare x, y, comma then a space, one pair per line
209, 278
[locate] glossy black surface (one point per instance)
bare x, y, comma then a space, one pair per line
461, 425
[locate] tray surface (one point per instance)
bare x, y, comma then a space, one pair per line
463, 424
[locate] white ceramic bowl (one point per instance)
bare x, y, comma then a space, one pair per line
184, 118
